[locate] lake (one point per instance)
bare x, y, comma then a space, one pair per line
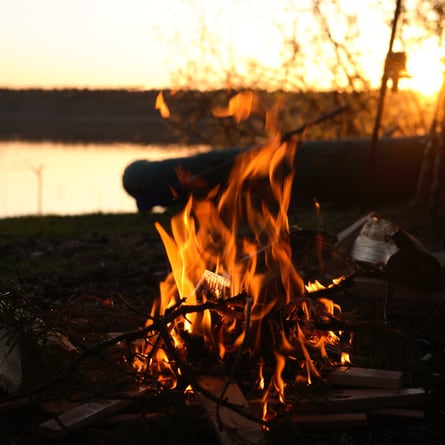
47, 178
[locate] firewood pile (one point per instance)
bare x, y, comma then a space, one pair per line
381, 380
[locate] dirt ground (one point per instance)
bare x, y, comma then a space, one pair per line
90, 276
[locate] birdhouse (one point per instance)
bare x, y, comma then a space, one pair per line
395, 68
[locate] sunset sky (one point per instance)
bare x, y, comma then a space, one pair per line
143, 43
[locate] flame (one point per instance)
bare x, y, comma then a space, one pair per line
260, 381
188, 390
240, 106
235, 244
162, 106
315, 286
156, 359
345, 358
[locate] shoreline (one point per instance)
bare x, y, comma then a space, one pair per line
74, 115
75, 128
95, 116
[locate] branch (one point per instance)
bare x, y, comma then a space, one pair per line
188, 374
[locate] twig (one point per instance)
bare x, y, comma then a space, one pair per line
189, 376
288, 135
242, 348
127, 336
156, 325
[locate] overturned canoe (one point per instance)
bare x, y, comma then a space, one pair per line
330, 171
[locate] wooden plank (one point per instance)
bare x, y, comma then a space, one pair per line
362, 399
11, 405
365, 377
88, 413
335, 420
398, 412
236, 428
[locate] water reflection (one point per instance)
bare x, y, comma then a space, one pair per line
70, 179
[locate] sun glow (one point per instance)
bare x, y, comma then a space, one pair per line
425, 67
283, 44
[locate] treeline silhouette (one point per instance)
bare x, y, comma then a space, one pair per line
120, 115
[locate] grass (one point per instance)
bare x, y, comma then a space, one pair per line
84, 226
15, 229
53, 247
113, 260
98, 257
69, 257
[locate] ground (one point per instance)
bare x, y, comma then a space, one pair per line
89, 276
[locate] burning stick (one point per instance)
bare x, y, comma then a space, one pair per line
238, 357
189, 376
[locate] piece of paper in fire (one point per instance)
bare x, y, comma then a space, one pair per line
374, 244
218, 285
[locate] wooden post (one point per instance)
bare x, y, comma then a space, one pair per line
375, 134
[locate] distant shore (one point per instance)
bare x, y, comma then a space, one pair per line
82, 116
130, 116
106, 116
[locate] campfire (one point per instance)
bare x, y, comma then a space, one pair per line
235, 288
255, 323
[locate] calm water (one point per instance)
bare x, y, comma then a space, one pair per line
72, 179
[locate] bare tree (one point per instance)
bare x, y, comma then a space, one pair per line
319, 53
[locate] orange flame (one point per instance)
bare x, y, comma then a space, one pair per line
238, 237
162, 106
345, 358
240, 106
314, 286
